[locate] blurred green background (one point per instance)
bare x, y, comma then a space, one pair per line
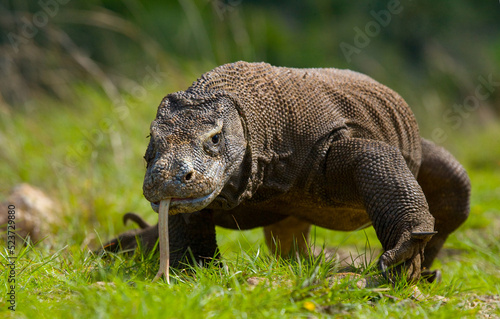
80, 80
432, 52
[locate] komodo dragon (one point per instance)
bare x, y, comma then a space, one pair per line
252, 145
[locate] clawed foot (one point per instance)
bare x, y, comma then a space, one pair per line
430, 276
146, 235
192, 239
407, 258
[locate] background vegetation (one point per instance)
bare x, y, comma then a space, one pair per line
79, 85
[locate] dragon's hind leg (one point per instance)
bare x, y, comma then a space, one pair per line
447, 189
288, 236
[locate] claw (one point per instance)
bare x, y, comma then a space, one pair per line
432, 276
423, 234
135, 218
383, 268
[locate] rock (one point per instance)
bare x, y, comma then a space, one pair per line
35, 213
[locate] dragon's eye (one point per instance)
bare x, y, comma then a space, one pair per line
216, 139
214, 144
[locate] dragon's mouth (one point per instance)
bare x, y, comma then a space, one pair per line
186, 205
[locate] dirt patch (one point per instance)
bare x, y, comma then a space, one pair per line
347, 256
487, 306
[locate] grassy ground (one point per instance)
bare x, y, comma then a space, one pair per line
87, 156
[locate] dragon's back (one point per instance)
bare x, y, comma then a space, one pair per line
287, 110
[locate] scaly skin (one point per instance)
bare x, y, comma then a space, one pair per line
252, 145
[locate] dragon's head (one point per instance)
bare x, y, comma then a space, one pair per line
196, 144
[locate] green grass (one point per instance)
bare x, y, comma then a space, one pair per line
96, 173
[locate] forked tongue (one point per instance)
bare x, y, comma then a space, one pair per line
164, 244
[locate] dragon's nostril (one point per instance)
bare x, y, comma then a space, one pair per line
188, 176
